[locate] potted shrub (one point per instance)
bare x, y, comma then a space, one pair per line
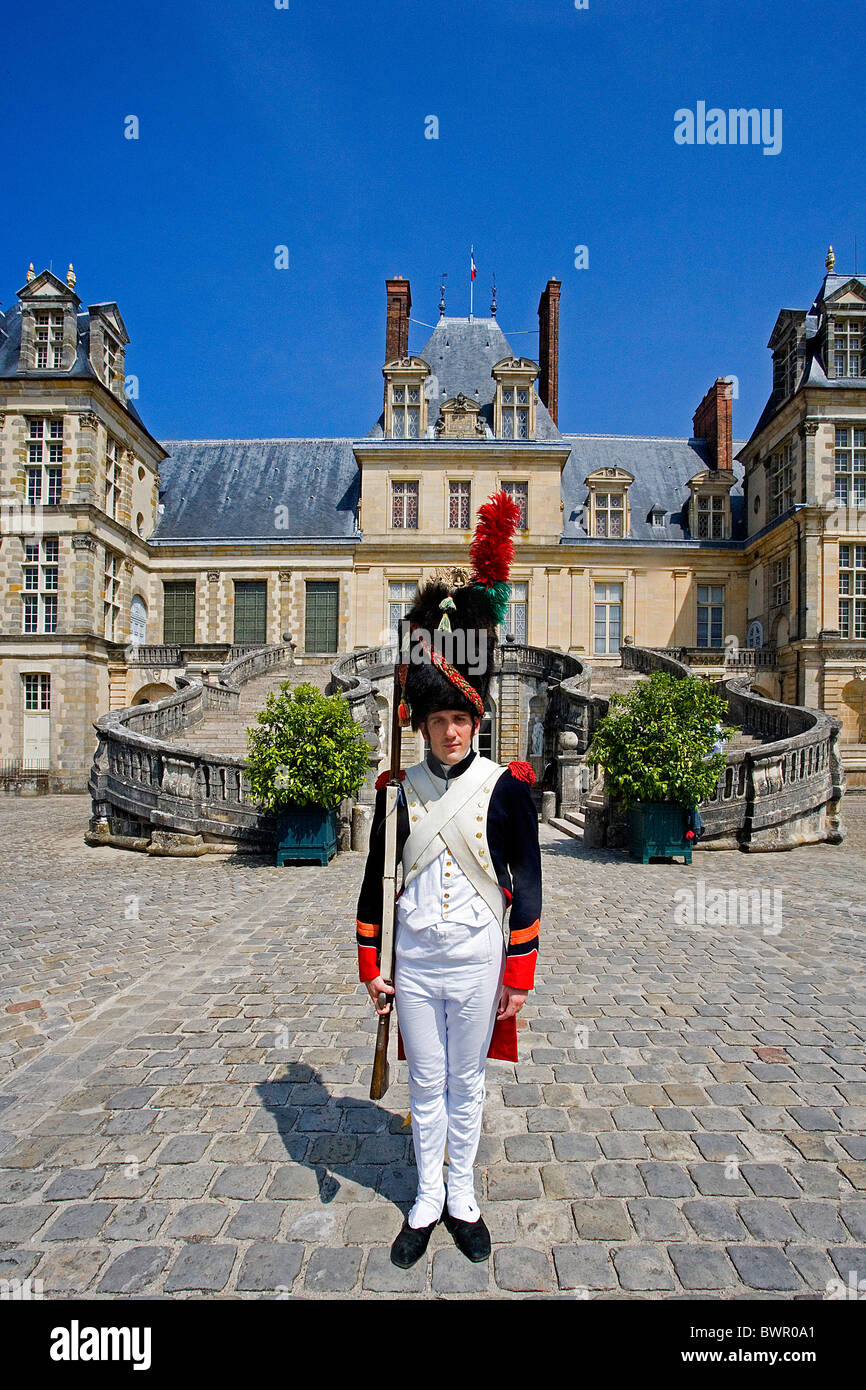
655, 745
306, 754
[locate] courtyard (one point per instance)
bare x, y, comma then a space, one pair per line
185, 1061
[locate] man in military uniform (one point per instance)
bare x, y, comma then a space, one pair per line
467, 838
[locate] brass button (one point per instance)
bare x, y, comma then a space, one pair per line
479, 817
478, 834
414, 817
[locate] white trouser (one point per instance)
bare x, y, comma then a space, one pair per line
446, 1013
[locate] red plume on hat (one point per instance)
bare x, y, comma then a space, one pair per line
492, 550
446, 610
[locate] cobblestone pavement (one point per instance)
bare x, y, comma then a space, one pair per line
185, 1059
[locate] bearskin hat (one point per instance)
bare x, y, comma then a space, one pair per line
451, 640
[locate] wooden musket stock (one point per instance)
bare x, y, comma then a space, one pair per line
380, 1079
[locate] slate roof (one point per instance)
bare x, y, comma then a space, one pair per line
461, 354
229, 489
10, 348
831, 284
661, 469
814, 367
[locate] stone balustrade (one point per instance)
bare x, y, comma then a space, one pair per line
782, 792
149, 793
153, 654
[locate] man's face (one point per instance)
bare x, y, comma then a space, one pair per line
449, 733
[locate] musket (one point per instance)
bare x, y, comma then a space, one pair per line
381, 1077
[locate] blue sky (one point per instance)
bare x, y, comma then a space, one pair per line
305, 127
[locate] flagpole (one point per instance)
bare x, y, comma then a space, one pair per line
471, 263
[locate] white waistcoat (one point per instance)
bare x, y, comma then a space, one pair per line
453, 817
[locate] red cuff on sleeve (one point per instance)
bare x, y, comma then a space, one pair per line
368, 964
520, 971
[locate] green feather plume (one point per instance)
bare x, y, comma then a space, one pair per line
498, 596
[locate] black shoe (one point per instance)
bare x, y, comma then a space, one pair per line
411, 1243
472, 1238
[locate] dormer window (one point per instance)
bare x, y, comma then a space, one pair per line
515, 412
108, 342
657, 517
109, 359
847, 340
785, 368
711, 518
48, 330
405, 399
609, 511
788, 346
48, 323
514, 402
710, 504
406, 417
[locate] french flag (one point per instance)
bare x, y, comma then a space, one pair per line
473, 269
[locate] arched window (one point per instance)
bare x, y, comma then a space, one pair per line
137, 621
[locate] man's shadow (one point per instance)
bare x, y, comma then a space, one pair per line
355, 1138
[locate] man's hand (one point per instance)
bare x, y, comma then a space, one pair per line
377, 987
511, 1003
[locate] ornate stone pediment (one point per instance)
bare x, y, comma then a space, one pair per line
846, 297
460, 418
611, 474
110, 313
713, 478
46, 287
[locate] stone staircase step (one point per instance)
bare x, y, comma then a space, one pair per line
221, 732
568, 827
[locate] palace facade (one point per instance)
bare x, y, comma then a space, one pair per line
126, 561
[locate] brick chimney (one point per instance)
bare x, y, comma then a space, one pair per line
398, 304
713, 421
548, 348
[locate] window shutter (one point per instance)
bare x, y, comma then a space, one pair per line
321, 615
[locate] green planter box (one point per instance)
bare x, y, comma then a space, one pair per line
308, 833
657, 829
